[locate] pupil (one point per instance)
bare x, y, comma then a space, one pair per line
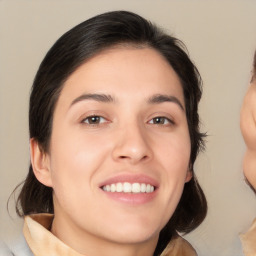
94, 119
159, 120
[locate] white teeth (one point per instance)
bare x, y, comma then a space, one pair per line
113, 188
143, 188
119, 187
127, 187
136, 188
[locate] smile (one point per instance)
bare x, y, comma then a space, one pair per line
127, 187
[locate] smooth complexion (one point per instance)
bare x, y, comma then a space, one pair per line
248, 128
120, 119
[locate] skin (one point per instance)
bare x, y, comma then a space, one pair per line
248, 128
126, 141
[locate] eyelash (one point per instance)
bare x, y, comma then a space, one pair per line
159, 119
98, 120
95, 120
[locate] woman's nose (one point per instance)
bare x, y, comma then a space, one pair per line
132, 145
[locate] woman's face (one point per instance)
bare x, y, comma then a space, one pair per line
120, 149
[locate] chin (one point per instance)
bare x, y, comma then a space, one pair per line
249, 167
134, 237
134, 234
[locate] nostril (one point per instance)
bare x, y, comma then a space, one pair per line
124, 157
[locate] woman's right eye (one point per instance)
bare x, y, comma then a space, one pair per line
161, 120
94, 120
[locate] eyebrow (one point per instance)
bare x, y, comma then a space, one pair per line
94, 96
155, 99
161, 98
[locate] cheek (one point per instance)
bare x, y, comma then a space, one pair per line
174, 159
74, 160
248, 126
175, 151
249, 134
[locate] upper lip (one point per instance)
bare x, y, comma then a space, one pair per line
131, 178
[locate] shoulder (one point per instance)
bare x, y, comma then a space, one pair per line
18, 247
178, 246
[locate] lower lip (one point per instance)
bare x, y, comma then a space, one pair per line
131, 198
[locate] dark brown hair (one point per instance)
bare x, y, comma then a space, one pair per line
73, 49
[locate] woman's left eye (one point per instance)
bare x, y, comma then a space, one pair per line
94, 120
161, 120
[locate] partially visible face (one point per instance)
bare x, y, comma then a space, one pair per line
248, 128
120, 148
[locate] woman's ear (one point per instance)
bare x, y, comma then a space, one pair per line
189, 176
40, 163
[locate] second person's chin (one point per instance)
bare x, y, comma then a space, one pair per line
249, 168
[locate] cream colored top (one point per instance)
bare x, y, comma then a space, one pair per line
249, 240
42, 242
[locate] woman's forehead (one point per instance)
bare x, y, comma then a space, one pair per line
120, 71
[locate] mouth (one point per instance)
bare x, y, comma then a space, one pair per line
127, 187
130, 189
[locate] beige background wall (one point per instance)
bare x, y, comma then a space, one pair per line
221, 38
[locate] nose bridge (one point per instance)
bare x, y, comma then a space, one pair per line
132, 143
